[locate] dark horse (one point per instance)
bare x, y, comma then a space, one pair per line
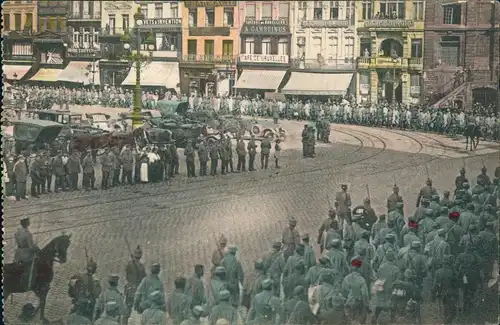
43, 272
472, 134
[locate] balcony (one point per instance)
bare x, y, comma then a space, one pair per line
382, 63
108, 31
324, 23
83, 52
387, 23
416, 63
328, 64
207, 59
415, 91
364, 63
76, 16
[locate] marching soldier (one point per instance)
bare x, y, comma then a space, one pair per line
88, 164
217, 284
154, 314
85, 287
426, 192
290, 238
343, 205
179, 303
325, 227
111, 294
309, 254
234, 274
219, 252
241, 152
460, 180
213, 149
229, 152
355, 293
194, 319
253, 284
297, 310
305, 146
252, 151
135, 272
174, 159
224, 310
393, 199
148, 285
195, 288
483, 177
265, 307
78, 317
111, 316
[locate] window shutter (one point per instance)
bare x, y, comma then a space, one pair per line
243, 45
258, 45
274, 45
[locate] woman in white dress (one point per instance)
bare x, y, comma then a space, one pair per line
144, 166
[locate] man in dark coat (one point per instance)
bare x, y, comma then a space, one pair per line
20, 173
74, 169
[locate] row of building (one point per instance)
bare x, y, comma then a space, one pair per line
407, 51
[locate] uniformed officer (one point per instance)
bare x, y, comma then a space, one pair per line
85, 287
305, 133
426, 192
265, 307
189, 153
253, 283
234, 274
325, 227
179, 303
297, 310
219, 252
265, 151
26, 248
460, 179
290, 238
241, 152
77, 317
111, 315
387, 274
88, 164
393, 199
343, 205
203, 157
110, 294
224, 310
149, 284
195, 288
217, 284
252, 151
213, 149
484, 177
154, 314
445, 288
135, 272
355, 293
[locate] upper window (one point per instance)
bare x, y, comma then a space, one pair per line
318, 10
452, 14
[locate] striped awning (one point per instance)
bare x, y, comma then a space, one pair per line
81, 72
260, 79
320, 84
48, 75
156, 74
15, 72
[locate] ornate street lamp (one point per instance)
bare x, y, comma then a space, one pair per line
139, 60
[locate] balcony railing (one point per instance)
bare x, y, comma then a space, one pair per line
84, 52
325, 64
415, 62
324, 23
382, 62
388, 23
415, 91
86, 16
108, 31
203, 59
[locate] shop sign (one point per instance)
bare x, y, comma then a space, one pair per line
277, 27
263, 58
162, 21
364, 89
198, 4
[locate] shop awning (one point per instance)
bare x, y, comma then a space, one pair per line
18, 70
260, 79
81, 72
156, 74
323, 84
48, 75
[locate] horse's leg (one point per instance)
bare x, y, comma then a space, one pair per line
466, 142
42, 296
477, 142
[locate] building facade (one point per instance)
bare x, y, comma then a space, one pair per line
390, 51
324, 46
461, 57
117, 19
20, 23
52, 16
265, 41
210, 45
84, 22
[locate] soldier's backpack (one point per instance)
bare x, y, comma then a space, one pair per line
400, 296
268, 310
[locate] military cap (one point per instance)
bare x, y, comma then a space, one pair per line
441, 232
484, 169
382, 217
292, 221
412, 224
465, 184
470, 206
356, 217
259, 264
444, 209
390, 255
220, 269
222, 321
435, 197
446, 193
416, 244
400, 204
488, 206
326, 276
447, 259
462, 170
454, 215
436, 225
472, 227
425, 200
409, 274
305, 236
155, 265
299, 291
224, 295
113, 277
489, 224
198, 310
367, 201
429, 181
232, 249
390, 236
343, 185
111, 306
428, 212
267, 284
335, 242
155, 295
395, 187
277, 244
356, 261
324, 259
222, 239
25, 219
138, 251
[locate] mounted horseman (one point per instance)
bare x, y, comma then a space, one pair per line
472, 133
33, 268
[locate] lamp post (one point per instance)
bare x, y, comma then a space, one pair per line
91, 68
138, 60
394, 62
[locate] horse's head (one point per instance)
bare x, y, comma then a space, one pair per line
58, 248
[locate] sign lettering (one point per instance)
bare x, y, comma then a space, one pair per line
266, 29
162, 21
266, 22
264, 58
197, 4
